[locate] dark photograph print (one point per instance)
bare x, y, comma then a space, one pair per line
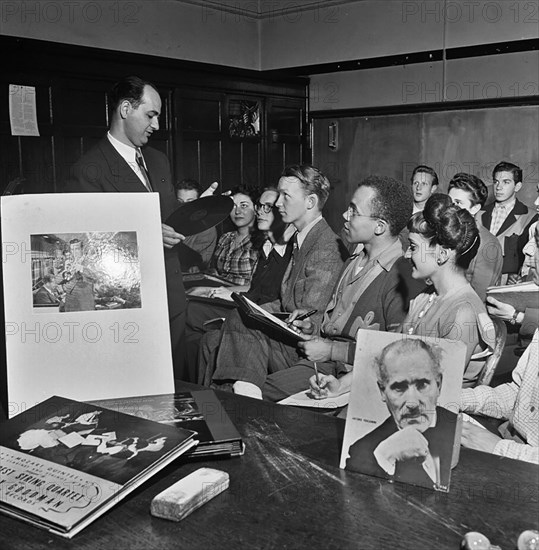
85, 271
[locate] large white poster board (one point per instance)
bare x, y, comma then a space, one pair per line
85, 297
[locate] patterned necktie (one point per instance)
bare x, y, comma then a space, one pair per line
143, 171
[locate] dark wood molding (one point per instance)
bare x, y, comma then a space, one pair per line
411, 58
426, 107
38, 57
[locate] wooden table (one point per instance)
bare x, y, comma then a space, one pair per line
287, 491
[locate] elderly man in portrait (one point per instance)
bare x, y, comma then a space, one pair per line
415, 443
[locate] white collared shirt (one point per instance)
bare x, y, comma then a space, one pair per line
128, 153
302, 235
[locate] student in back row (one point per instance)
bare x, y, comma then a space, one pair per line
508, 219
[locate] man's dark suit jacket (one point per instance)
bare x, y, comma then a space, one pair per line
103, 170
44, 297
440, 439
513, 233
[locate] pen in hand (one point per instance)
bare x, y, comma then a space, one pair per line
303, 316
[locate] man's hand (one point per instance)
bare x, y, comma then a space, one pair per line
402, 445
316, 348
499, 309
170, 237
222, 292
479, 439
329, 386
305, 326
210, 190
513, 279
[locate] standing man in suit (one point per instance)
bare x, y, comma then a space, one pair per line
117, 164
247, 355
508, 219
415, 444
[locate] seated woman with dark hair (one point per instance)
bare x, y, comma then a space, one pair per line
469, 192
274, 250
443, 241
235, 257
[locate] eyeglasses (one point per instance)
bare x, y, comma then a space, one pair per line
266, 208
351, 212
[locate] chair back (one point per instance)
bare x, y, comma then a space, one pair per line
489, 368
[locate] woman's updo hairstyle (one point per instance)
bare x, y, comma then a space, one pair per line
444, 223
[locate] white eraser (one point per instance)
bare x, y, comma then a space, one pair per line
189, 493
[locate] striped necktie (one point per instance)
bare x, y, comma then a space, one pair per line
143, 171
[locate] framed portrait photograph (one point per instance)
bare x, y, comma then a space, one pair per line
403, 422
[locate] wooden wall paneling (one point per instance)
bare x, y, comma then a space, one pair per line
210, 163
27, 157
366, 145
286, 135
197, 150
232, 164
475, 140
10, 160
251, 164
71, 84
449, 139
243, 156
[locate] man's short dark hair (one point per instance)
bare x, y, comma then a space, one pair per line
422, 169
412, 346
393, 201
130, 88
505, 166
473, 185
312, 179
188, 184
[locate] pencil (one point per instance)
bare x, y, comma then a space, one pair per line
317, 375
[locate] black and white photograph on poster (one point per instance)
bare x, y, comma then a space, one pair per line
85, 271
403, 414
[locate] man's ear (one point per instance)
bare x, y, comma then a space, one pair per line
381, 227
312, 201
125, 106
518, 186
381, 390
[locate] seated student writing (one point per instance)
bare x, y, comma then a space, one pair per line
517, 402
443, 241
307, 283
372, 292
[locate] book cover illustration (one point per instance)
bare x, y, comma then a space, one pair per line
85, 271
199, 411
77, 458
402, 421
